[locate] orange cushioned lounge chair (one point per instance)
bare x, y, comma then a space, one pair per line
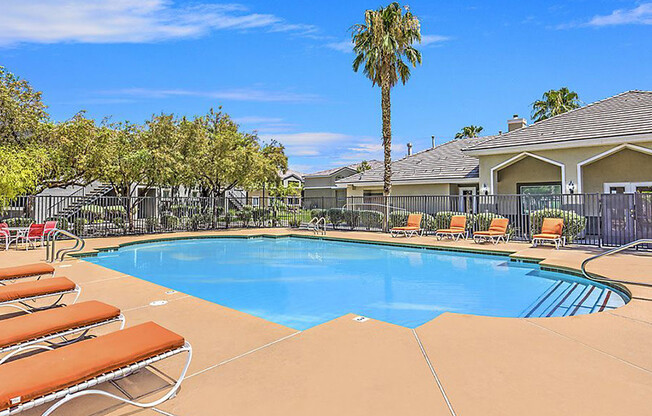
551, 232
66, 373
413, 227
18, 294
28, 270
497, 231
456, 229
39, 330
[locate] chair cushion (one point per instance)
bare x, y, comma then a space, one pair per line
414, 220
552, 226
39, 324
35, 269
50, 371
458, 221
547, 236
451, 231
407, 228
499, 224
35, 288
489, 233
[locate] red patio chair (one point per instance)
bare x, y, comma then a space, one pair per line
35, 233
5, 234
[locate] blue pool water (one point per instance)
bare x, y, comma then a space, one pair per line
301, 283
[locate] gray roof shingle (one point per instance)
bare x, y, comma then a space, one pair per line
372, 163
625, 114
443, 162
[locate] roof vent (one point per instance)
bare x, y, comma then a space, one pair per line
409, 149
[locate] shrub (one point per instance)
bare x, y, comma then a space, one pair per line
259, 215
370, 219
351, 217
150, 224
443, 219
318, 213
295, 221
92, 212
19, 222
245, 215
113, 211
335, 216
574, 224
62, 223
170, 222
79, 226
482, 221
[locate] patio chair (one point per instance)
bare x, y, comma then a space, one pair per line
34, 233
551, 232
40, 330
497, 231
412, 228
5, 235
63, 374
50, 227
9, 274
456, 229
18, 295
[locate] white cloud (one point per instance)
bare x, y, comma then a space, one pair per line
236, 94
427, 40
641, 15
345, 46
308, 143
257, 119
127, 21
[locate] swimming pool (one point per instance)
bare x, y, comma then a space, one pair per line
301, 282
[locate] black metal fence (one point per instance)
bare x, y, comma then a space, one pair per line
591, 219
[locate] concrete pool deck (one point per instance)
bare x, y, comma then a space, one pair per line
598, 364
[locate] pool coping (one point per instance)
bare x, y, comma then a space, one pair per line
512, 255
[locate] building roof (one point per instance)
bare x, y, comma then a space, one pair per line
328, 172
290, 172
445, 162
625, 114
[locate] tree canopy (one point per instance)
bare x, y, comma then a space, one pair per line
469, 132
555, 102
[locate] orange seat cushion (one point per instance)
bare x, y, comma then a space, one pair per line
38, 375
489, 233
26, 270
38, 287
451, 231
547, 236
414, 220
458, 221
36, 325
552, 226
499, 225
405, 228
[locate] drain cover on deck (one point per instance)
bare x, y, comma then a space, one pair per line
361, 319
170, 292
158, 303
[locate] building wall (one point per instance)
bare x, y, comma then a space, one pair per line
528, 170
569, 158
625, 166
410, 190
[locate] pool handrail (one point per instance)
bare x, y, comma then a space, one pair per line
314, 225
51, 256
610, 252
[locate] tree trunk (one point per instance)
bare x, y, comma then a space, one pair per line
387, 145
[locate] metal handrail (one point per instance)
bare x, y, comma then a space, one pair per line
614, 251
314, 222
51, 256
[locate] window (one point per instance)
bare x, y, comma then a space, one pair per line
539, 188
372, 193
255, 201
166, 193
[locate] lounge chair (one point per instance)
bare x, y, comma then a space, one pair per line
456, 229
28, 270
497, 231
412, 228
5, 235
551, 232
63, 374
18, 294
40, 330
34, 233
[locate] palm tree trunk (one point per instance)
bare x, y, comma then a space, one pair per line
387, 145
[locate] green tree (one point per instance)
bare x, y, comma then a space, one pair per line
469, 132
383, 44
555, 102
20, 171
363, 167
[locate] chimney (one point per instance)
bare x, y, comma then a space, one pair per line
433, 142
515, 123
409, 146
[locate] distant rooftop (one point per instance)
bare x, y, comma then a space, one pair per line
443, 162
328, 172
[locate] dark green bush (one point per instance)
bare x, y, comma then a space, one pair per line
170, 222
115, 211
574, 224
245, 215
151, 223
318, 213
295, 221
370, 219
62, 223
482, 221
79, 226
19, 222
92, 212
335, 216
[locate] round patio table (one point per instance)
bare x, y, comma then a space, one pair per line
16, 232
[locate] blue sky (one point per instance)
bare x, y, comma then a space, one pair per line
283, 68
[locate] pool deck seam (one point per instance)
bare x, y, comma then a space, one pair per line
590, 347
244, 354
434, 373
135, 308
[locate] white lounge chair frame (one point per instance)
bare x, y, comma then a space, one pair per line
38, 277
65, 395
21, 304
406, 233
557, 241
493, 238
34, 343
452, 236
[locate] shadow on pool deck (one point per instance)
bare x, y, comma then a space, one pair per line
596, 364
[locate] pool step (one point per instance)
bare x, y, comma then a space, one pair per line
572, 298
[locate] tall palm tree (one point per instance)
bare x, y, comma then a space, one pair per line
382, 45
555, 102
468, 132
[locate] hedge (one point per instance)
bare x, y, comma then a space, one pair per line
574, 224
443, 219
399, 219
482, 221
92, 212
19, 222
370, 219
